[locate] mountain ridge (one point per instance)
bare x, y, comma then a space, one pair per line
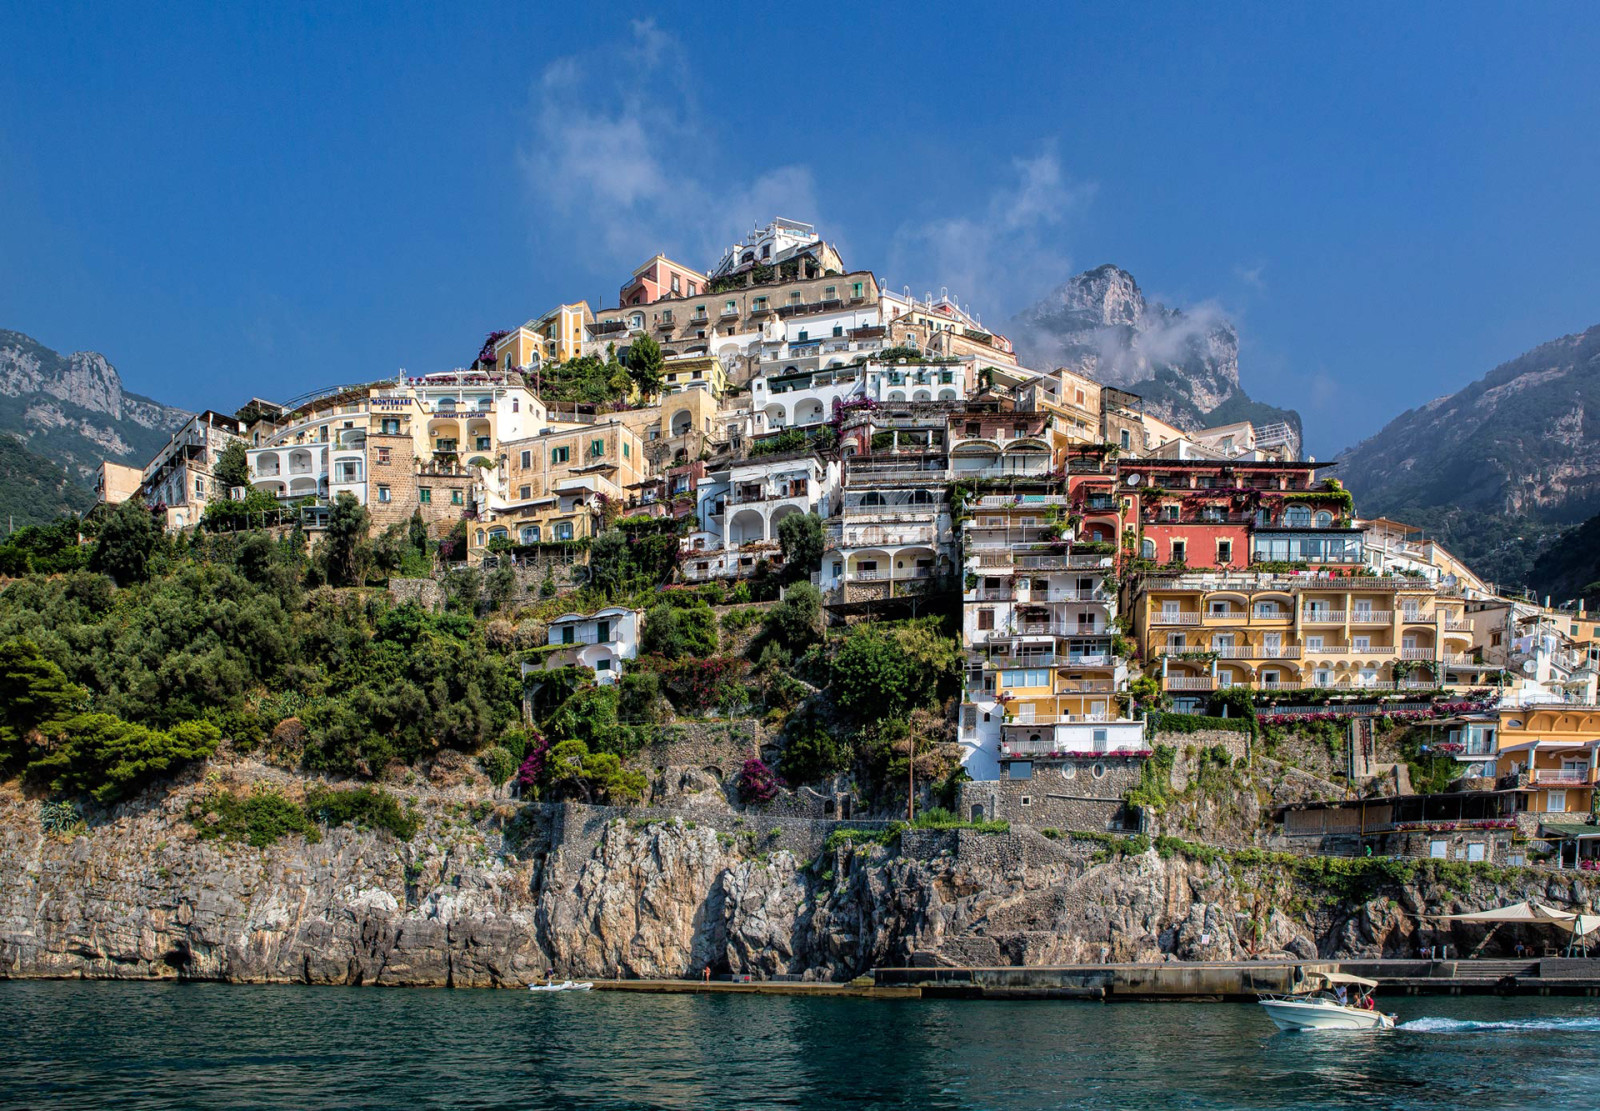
73, 411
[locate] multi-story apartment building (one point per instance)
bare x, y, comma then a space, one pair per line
891, 537
735, 323
800, 398
1394, 548
179, 478
1549, 756
554, 484
555, 337
1203, 631
1043, 664
782, 244
1233, 514
987, 442
659, 278
431, 444
741, 504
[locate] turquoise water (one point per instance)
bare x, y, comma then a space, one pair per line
79, 1045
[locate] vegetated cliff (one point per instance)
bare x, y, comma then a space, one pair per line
72, 409
1495, 468
493, 893
33, 490
1184, 364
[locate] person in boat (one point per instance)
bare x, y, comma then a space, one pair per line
1342, 995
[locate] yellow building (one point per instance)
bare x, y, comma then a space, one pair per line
1202, 632
555, 484
556, 337
693, 372
1552, 752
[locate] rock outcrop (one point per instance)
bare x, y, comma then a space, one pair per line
495, 899
1185, 364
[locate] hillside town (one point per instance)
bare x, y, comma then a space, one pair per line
1109, 567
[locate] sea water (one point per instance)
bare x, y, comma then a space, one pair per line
67, 1045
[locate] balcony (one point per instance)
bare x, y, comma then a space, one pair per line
1322, 617
1417, 654
1371, 617
1190, 683
1171, 617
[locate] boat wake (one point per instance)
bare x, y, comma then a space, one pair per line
1467, 1026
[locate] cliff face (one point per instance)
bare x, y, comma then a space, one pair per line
72, 409
1184, 364
498, 901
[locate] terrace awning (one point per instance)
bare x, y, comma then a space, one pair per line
1526, 913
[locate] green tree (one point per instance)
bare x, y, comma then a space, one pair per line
34, 696
644, 365
346, 551
676, 632
800, 538
882, 673
233, 466
110, 758
128, 538
811, 750
796, 621
418, 532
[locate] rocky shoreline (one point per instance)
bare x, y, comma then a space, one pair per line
492, 893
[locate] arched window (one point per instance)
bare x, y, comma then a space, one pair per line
1324, 519
480, 538
1297, 516
1147, 549
530, 534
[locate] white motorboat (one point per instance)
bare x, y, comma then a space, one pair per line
565, 985
1328, 1001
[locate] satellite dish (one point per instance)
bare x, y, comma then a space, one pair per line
1132, 480
1530, 666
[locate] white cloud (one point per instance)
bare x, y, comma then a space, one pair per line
1007, 254
621, 153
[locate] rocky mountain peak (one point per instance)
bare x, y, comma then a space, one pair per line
1106, 296
1184, 363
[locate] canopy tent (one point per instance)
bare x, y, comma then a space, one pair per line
1530, 914
1525, 913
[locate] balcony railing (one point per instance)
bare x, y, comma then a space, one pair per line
1416, 653
1561, 777
1188, 683
1322, 617
1169, 617
1371, 617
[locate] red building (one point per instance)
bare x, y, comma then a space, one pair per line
1209, 514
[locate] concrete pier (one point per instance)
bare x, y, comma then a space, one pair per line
1168, 981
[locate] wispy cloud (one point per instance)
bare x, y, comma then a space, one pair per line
622, 154
1006, 253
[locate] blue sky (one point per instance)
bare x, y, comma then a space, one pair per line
233, 201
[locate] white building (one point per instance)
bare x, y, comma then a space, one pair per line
599, 641
180, 475
796, 397
777, 242
742, 503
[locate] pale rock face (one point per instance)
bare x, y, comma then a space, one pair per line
142, 897
1100, 325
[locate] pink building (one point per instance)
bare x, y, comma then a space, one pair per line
659, 279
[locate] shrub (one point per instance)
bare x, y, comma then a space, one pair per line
795, 621
673, 632
366, 807
757, 782
260, 818
499, 765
